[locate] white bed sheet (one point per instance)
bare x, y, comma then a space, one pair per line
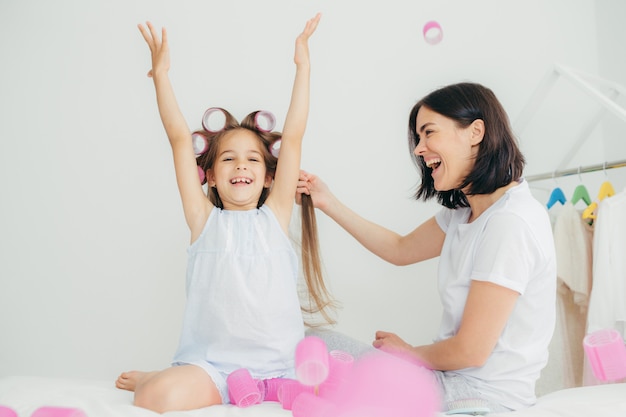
102, 399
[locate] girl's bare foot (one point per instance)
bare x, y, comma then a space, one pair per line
129, 380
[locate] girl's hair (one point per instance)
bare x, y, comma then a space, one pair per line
499, 159
320, 299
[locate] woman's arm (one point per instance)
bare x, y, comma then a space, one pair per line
196, 205
425, 242
487, 310
288, 167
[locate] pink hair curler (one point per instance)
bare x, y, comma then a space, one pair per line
201, 174
264, 120
289, 391
271, 387
199, 142
214, 119
275, 148
311, 361
7, 412
58, 412
309, 405
243, 390
606, 353
433, 34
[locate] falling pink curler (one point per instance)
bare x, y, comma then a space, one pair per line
340, 363
290, 390
243, 390
7, 412
311, 361
58, 412
264, 120
200, 143
214, 120
309, 405
606, 353
433, 34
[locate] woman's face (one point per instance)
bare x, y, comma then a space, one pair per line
449, 150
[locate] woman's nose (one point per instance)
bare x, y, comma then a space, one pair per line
420, 148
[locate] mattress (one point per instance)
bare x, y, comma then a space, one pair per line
101, 399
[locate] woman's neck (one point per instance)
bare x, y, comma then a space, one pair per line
479, 203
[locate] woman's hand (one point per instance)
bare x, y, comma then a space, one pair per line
314, 187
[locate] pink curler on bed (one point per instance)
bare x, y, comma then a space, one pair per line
311, 361
310, 405
606, 353
58, 412
7, 412
243, 390
289, 391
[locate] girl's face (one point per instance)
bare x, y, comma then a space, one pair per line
449, 150
239, 172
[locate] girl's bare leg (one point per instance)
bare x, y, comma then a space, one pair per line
178, 388
129, 380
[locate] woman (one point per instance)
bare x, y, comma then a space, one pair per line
497, 269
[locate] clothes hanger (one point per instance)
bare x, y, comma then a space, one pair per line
557, 195
606, 189
580, 192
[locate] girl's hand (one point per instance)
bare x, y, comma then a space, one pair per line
159, 48
302, 41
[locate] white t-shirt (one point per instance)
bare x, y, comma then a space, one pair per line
511, 245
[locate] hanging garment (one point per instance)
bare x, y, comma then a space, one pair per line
572, 238
607, 304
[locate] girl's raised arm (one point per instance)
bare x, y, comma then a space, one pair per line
288, 168
196, 205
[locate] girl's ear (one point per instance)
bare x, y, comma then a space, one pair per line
477, 129
210, 178
268, 181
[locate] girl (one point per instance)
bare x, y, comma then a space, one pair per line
242, 307
497, 268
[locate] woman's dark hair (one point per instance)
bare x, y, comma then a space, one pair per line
499, 159
319, 298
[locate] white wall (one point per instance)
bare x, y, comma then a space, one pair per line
93, 241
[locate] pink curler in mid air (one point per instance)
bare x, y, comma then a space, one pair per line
433, 34
606, 353
311, 361
58, 412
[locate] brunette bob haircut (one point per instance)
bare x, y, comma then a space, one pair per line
499, 159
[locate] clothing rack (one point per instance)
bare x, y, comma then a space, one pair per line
575, 171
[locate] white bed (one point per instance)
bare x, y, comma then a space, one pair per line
102, 399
